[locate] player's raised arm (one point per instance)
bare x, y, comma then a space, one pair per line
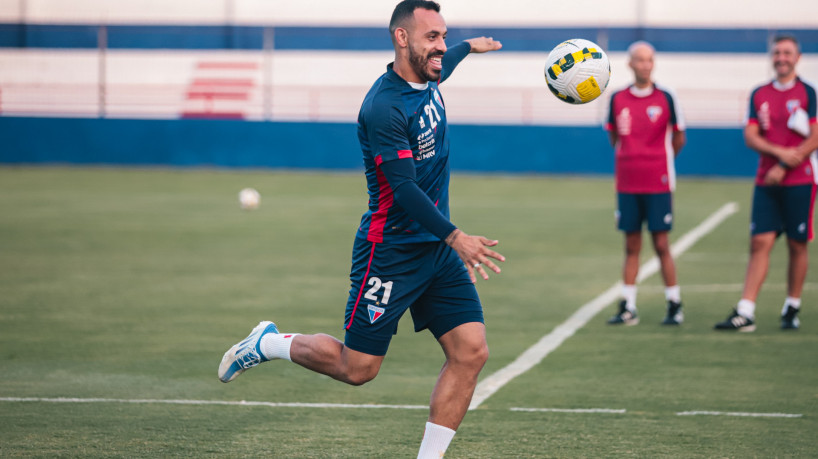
458, 52
484, 44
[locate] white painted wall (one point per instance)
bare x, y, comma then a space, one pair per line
504, 88
664, 13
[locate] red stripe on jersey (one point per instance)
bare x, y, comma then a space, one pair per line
385, 200
402, 154
361, 290
811, 231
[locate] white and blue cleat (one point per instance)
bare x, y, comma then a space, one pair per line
246, 354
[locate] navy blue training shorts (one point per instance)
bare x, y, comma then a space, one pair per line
783, 209
386, 279
633, 209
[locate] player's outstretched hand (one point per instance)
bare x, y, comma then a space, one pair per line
475, 253
484, 44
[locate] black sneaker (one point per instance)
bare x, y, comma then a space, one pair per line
789, 320
624, 316
737, 322
674, 314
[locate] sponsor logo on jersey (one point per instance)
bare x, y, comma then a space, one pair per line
374, 313
764, 116
654, 112
623, 122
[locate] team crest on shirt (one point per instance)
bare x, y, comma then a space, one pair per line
374, 313
436, 96
793, 105
654, 112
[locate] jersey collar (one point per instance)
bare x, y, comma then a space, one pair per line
394, 75
641, 92
785, 87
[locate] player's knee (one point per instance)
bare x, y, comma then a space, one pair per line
761, 244
361, 376
796, 247
473, 356
662, 248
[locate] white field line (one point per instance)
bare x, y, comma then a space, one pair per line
347, 405
570, 410
717, 288
732, 413
208, 402
536, 353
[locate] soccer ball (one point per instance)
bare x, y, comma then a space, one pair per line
577, 71
249, 199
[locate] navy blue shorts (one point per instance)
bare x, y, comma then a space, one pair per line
633, 209
783, 209
428, 278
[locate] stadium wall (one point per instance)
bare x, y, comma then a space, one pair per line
102, 82
244, 144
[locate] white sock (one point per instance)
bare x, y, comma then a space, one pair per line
277, 345
673, 293
629, 295
746, 308
435, 442
790, 301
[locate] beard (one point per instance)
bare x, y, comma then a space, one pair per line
420, 64
783, 70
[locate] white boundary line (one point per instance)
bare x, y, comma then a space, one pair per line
208, 402
570, 410
733, 413
346, 405
716, 288
536, 353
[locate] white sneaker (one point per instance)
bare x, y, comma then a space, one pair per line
246, 354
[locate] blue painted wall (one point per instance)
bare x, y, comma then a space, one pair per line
243, 144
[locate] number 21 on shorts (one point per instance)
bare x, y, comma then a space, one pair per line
375, 284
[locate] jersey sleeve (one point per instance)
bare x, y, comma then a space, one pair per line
388, 132
610, 124
677, 119
752, 114
453, 56
401, 177
811, 103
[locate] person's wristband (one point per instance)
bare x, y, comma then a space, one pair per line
784, 165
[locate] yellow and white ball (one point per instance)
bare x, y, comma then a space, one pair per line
577, 71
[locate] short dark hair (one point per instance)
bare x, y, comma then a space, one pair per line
405, 11
787, 37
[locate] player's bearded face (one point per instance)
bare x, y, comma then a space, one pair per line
426, 63
785, 56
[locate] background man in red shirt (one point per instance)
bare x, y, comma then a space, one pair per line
646, 128
781, 127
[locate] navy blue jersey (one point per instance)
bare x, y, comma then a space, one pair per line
398, 121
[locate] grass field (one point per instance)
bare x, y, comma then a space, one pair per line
130, 284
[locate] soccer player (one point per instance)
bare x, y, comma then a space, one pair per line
646, 128
407, 254
781, 127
